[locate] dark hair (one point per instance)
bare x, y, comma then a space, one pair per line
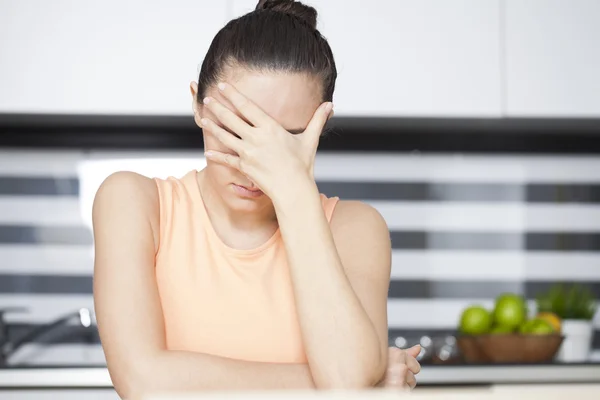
279, 35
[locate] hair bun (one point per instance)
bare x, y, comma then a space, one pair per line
306, 13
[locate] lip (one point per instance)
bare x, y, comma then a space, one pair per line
246, 192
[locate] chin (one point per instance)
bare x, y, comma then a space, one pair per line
251, 203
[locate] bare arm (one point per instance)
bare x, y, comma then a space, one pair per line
129, 313
340, 277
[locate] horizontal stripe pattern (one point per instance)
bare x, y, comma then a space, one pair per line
353, 167
38, 186
399, 289
44, 284
529, 241
463, 229
424, 289
34, 259
460, 191
52, 235
40, 211
393, 191
30, 164
467, 216
356, 167
407, 240
473, 266
406, 264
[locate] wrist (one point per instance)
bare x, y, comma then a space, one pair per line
295, 192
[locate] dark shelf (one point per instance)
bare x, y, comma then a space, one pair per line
365, 134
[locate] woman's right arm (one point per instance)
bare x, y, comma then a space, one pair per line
129, 314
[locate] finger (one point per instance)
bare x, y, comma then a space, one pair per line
414, 351
401, 357
413, 365
318, 121
411, 381
245, 106
227, 117
223, 158
222, 135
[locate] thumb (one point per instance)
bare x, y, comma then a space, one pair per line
318, 121
414, 351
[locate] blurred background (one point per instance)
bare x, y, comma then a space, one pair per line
473, 126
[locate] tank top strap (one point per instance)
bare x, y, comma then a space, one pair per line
329, 204
173, 197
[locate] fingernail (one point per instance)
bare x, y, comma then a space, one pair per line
208, 153
204, 121
206, 100
221, 86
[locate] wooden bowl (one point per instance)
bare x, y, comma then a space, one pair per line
509, 348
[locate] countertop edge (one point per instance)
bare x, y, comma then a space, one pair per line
430, 375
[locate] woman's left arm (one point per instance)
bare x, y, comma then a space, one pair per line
340, 276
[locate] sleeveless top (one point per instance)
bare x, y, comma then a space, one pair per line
219, 300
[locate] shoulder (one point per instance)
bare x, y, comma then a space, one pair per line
126, 198
127, 187
360, 231
358, 215
362, 240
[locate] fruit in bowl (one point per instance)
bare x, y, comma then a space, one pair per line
510, 311
475, 320
501, 330
536, 326
505, 335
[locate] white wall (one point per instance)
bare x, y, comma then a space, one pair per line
439, 58
404, 57
553, 58
103, 57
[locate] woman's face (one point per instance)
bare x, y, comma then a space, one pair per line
290, 99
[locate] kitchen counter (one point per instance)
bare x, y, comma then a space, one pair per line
95, 377
500, 392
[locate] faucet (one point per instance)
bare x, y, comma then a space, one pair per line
7, 348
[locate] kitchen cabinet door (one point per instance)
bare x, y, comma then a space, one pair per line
553, 58
103, 57
412, 57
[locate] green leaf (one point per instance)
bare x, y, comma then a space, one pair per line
573, 302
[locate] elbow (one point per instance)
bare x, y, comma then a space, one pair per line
359, 377
129, 384
132, 381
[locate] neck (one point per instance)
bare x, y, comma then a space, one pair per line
230, 223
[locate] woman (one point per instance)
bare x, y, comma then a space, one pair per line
241, 275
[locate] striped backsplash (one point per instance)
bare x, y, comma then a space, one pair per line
464, 229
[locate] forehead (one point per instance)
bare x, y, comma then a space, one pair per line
289, 98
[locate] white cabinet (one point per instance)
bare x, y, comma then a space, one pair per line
111, 56
412, 57
553, 58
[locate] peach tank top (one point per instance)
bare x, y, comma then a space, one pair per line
219, 300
